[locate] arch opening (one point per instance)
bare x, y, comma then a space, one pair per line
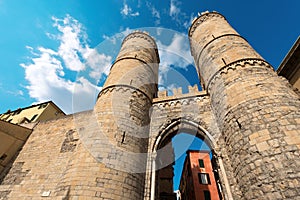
182, 143
180, 149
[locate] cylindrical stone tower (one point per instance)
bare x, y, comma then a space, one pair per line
257, 112
122, 111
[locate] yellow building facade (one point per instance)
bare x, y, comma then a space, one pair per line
34, 113
17, 125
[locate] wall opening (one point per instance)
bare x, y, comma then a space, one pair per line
182, 143
171, 148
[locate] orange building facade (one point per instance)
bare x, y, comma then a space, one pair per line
198, 180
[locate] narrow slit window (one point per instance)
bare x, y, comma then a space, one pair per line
201, 163
206, 195
33, 118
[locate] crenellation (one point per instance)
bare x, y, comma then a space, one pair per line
178, 94
193, 89
177, 91
162, 94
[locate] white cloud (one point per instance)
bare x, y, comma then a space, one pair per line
174, 9
16, 93
127, 11
99, 63
135, 14
31, 50
126, 31
155, 13
117, 39
181, 18
28, 47
71, 49
47, 75
112, 39
177, 53
189, 22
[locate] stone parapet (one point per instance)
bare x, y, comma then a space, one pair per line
177, 94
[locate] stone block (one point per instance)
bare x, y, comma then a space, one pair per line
262, 146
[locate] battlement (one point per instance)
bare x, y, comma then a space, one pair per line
177, 94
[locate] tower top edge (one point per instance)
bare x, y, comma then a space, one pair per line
141, 34
203, 16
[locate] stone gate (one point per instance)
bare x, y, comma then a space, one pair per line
249, 116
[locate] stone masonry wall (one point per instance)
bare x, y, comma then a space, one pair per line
180, 113
122, 112
248, 115
54, 164
257, 112
58, 162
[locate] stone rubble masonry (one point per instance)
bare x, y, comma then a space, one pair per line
257, 112
249, 116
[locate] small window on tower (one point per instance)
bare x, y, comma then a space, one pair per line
206, 195
204, 178
17, 112
201, 163
42, 105
33, 118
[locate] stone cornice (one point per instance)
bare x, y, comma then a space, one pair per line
122, 87
234, 65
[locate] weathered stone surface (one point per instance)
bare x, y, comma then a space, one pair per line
122, 112
255, 110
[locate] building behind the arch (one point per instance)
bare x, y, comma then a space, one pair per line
247, 114
198, 180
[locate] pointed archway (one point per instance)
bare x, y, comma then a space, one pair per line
162, 154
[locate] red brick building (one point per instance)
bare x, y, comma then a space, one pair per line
197, 179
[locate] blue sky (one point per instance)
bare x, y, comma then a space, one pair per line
45, 45
61, 50
190, 143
